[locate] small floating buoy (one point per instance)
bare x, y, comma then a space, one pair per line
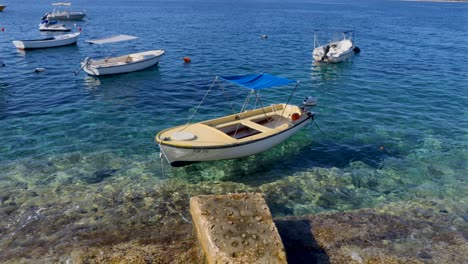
79, 28
187, 60
357, 50
264, 36
2, 64
39, 70
3, 29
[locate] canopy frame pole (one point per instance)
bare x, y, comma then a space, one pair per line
198, 106
289, 99
227, 97
242, 110
128, 56
261, 105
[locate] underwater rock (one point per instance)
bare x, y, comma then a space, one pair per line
98, 176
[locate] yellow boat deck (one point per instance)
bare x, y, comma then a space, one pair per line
232, 129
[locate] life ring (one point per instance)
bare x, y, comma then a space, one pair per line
295, 116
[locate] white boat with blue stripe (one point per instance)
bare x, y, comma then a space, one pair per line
244, 133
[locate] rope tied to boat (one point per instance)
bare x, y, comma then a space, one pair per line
315, 122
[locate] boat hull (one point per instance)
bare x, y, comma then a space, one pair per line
181, 156
66, 16
334, 59
120, 65
63, 40
337, 51
2, 7
52, 25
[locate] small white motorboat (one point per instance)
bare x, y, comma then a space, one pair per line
120, 64
52, 25
50, 42
62, 12
246, 133
336, 50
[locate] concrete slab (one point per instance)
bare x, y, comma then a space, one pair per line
236, 228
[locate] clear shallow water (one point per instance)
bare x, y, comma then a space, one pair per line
395, 118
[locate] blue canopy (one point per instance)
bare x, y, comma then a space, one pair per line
257, 81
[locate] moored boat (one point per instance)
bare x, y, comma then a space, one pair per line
50, 42
120, 64
336, 50
63, 12
245, 133
52, 25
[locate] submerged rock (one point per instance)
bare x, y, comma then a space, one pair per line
98, 176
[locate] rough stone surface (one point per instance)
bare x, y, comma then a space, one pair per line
236, 228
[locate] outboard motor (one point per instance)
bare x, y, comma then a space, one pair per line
326, 49
308, 103
357, 50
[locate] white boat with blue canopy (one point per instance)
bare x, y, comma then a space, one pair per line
120, 64
244, 133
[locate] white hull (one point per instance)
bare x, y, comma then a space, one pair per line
334, 52
335, 58
56, 41
66, 16
123, 64
53, 27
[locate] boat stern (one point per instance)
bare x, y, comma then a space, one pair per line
19, 44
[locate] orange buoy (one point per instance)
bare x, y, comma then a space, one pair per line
295, 116
187, 59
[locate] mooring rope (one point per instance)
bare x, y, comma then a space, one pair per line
315, 122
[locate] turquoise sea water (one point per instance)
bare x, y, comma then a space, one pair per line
77, 153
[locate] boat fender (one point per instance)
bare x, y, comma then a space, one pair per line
295, 116
357, 50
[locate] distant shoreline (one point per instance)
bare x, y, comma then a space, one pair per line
451, 1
